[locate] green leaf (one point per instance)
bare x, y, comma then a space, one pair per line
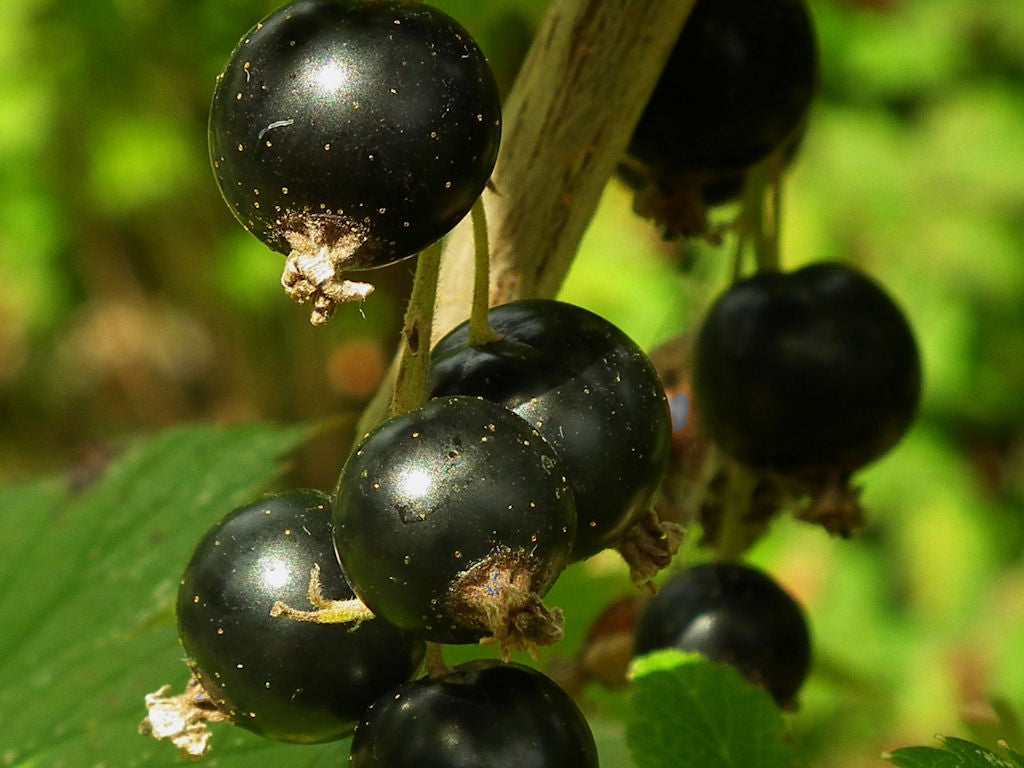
958, 754
87, 608
690, 711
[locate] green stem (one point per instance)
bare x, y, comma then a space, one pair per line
329, 612
778, 164
759, 219
414, 355
771, 212
435, 664
480, 331
739, 492
741, 248
325, 610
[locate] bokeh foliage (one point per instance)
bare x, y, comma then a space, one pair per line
131, 301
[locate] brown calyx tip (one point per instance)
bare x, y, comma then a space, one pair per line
677, 208
648, 546
835, 506
497, 596
182, 719
311, 271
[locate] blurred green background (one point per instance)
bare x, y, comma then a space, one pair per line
131, 301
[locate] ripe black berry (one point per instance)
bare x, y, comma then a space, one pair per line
588, 389
737, 87
809, 374
352, 133
452, 521
736, 615
286, 680
736, 90
479, 714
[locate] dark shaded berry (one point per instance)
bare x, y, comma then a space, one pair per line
810, 373
736, 615
479, 714
283, 679
450, 515
736, 88
588, 389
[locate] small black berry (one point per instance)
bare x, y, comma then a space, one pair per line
736, 615
479, 714
283, 679
453, 519
737, 87
810, 373
736, 90
352, 133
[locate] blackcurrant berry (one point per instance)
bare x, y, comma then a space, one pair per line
286, 680
453, 519
479, 714
810, 373
736, 88
588, 389
735, 91
352, 133
736, 615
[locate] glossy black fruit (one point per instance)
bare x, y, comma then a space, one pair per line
283, 679
736, 615
454, 505
368, 126
588, 389
480, 714
737, 87
810, 373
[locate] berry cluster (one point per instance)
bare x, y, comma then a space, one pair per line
537, 449
349, 134
352, 133
448, 524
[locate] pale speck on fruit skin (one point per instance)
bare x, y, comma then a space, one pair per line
272, 126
